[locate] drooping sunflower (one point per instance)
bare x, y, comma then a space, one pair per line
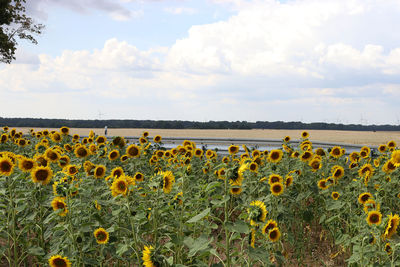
277, 189
58, 203
388, 248
274, 234
335, 195
236, 177
101, 236
59, 261
64, 130
149, 257
252, 237
4, 138
168, 180
133, 151
363, 197
157, 139
275, 178
119, 186
271, 224
6, 166
221, 173
354, 156
391, 228
275, 155
81, 151
336, 152
374, 217
257, 212
42, 175
99, 171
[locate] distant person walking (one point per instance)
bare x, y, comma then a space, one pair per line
105, 131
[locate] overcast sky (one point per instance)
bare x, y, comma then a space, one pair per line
295, 60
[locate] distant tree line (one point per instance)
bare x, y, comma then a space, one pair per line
175, 124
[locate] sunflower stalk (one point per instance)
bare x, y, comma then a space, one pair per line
135, 248
226, 218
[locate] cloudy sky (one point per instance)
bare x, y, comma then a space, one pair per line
294, 60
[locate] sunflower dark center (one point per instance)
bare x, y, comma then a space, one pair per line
364, 198
60, 263
275, 155
277, 188
82, 152
273, 234
99, 171
121, 186
42, 175
374, 218
5, 166
133, 151
60, 205
27, 164
101, 236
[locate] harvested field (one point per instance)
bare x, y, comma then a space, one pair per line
349, 137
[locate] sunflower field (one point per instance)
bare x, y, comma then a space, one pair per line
93, 201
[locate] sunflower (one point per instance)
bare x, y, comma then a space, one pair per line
335, 195
139, 177
119, 186
236, 190
168, 180
81, 151
277, 189
6, 166
382, 148
133, 151
117, 172
354, 156
353, 165
148, 257
101, 236
395, 158
363, 197
364, 154
388, 248
58, 203
252, 237
271, 224
275, 178
64, 130
374, 217
275, 155
40, 160
4, 138
159, 153
286, 139
143, 140
320, 151
5, 128
304, 134
253, 167
59, 261
315, 164
26, 164
257, 212
51, 155
236, 177
64, 161
288, 181
306, 156
322, 184
388, 167
41, 175
391, 144
99, 171
391, 228
274, 234
56, 137
366, 149
295, 154
337, 172
336, 152
101, 139
221, 173
113, 155
157, 139
22, 142
72, 169
366, 170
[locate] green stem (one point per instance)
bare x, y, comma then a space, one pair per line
226, 217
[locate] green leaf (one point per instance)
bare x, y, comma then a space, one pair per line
122, 248
197, 245
336, 205
36, 251
199, 216
238, 227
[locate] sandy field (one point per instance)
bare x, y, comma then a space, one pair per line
349, 137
